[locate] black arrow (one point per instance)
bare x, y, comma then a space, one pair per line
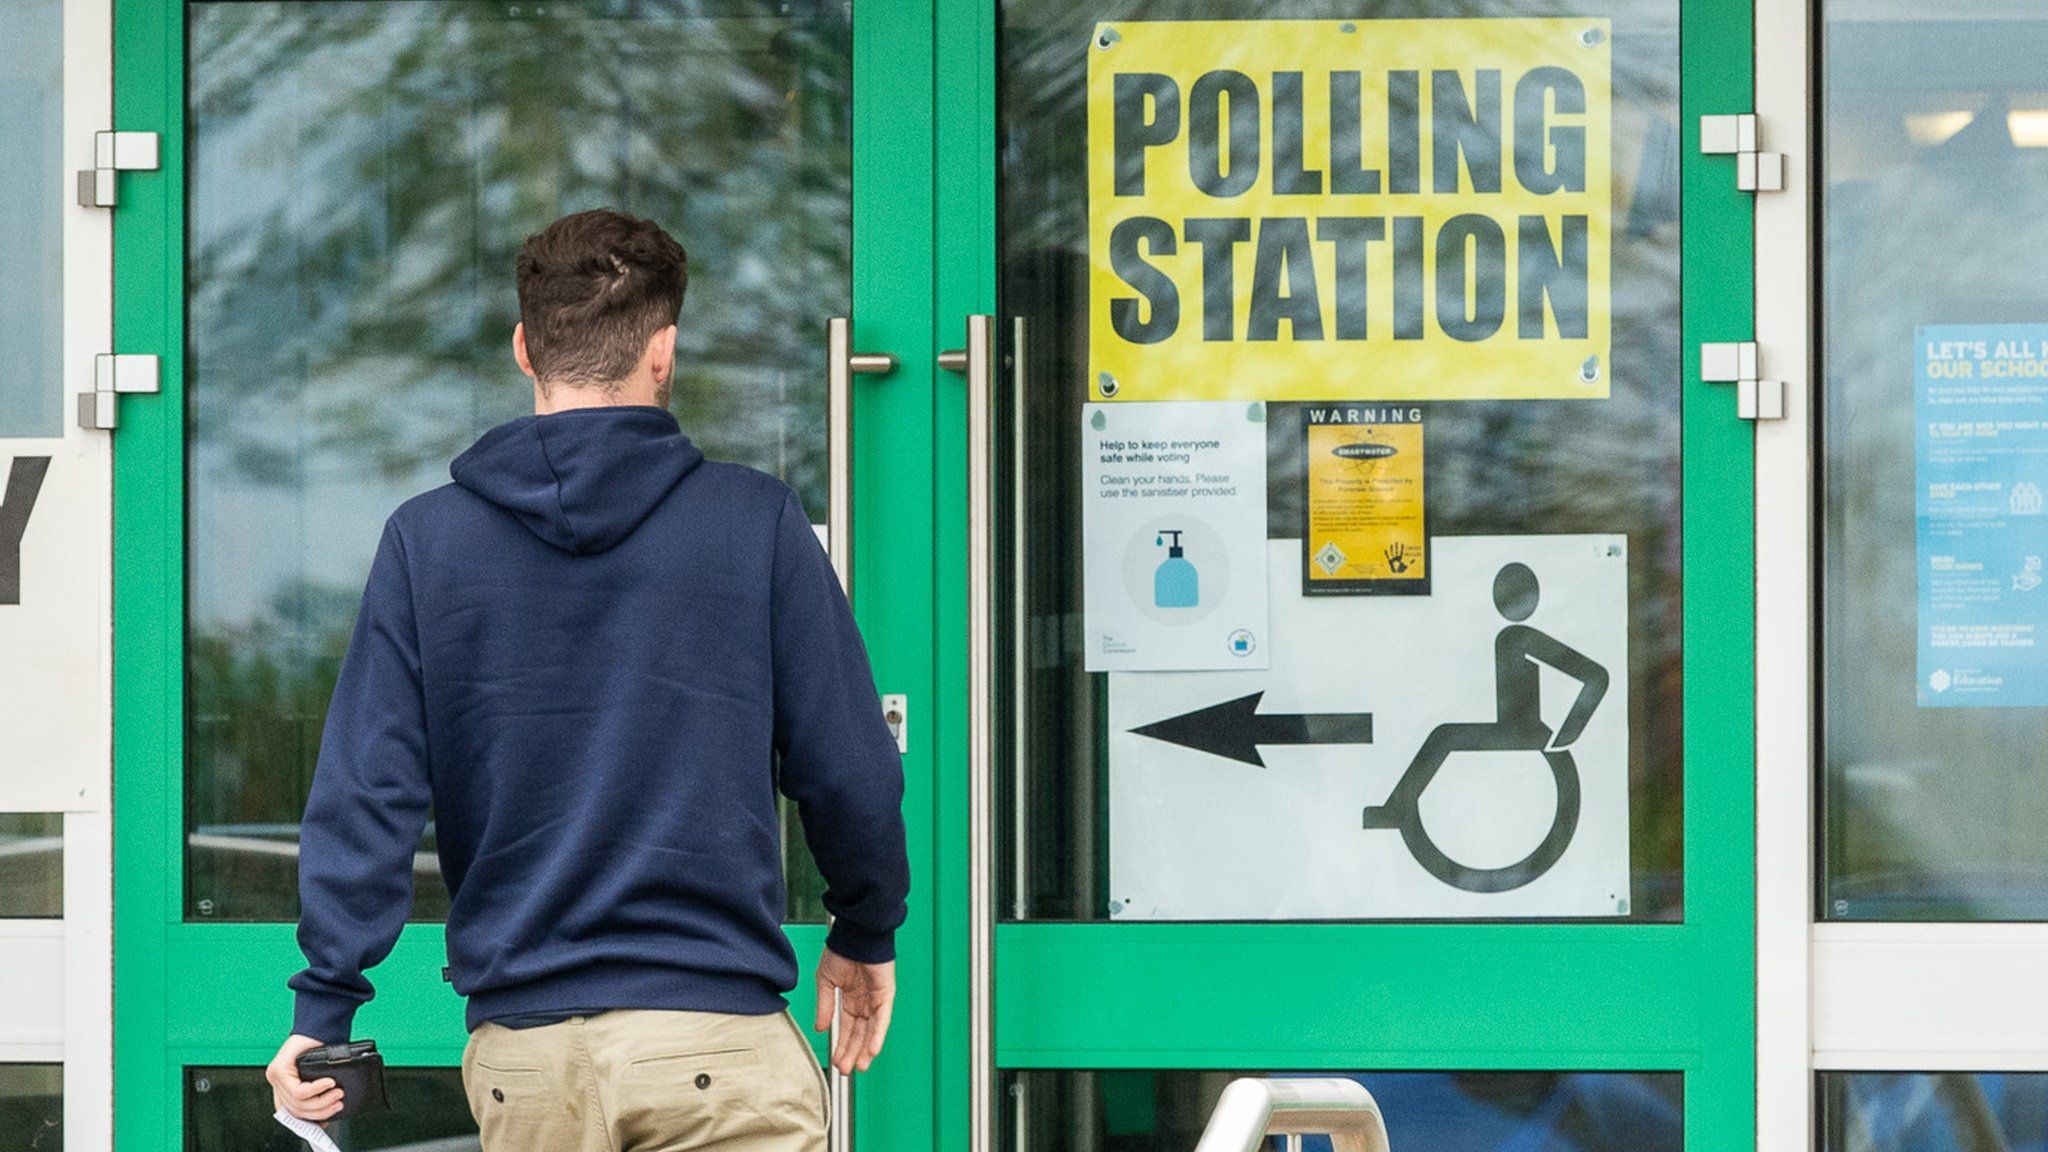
1234, 729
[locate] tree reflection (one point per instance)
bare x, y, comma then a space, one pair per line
359, 178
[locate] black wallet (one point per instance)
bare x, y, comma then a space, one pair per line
357, 1069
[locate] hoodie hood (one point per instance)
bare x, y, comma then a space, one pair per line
581, 480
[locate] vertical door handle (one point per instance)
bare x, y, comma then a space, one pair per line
977, 362
1020, 634
842, 364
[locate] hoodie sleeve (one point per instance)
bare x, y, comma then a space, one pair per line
839, 762
367, 807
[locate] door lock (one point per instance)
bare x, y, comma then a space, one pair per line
896, 714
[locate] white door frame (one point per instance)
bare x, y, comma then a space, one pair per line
1836, 996
56, 665
1785, 779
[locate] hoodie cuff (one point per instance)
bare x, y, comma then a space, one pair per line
859, 944
324, 1017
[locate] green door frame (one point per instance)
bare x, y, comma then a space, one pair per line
1612, 997
213, 994
1649, 997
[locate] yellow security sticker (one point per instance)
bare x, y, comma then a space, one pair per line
1367, 525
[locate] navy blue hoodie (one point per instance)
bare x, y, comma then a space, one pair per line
597, 656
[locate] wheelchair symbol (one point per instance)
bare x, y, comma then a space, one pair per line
1517, 727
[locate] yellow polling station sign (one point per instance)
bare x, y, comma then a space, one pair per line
1324, 209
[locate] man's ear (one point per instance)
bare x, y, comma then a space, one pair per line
519, 349
660, 355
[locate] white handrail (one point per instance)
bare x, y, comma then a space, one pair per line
1252, 1110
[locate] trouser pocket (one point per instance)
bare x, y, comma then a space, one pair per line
810, 1060
520, 1098
697, 1079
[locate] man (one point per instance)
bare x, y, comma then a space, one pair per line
596, 656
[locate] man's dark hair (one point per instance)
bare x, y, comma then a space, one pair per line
593, 287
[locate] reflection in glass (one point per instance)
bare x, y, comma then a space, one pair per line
31, 865
32, 1106
359, 178
228, 1110
1935, 213
1140, 1111
1493, 468
1934, 1112
32, 185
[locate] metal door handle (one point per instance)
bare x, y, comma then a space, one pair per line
841, 1134
1250, 1110
977, 362
842, 364
1020, 633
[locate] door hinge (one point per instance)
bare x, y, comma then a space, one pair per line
114, 152
111, 376
1755, 397
1741, 137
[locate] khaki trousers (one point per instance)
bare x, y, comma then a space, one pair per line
647, 1081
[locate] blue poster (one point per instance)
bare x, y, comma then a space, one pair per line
1980, 408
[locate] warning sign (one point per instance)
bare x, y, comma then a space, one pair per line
1322, 209
1366, 527
1460, 755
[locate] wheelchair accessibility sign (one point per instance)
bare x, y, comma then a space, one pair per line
1460, 755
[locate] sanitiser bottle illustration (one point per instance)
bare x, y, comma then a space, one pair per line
1176, 584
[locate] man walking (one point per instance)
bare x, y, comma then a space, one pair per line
597, 656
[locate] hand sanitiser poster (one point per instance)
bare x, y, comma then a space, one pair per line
1174, 519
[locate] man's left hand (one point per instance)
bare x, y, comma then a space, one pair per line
317, 1100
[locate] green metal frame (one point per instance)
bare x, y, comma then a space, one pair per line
1678, 997
1339, 996
213, 994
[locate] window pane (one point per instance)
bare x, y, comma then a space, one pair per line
32, 1106
359, 177
1934, 1112
1140, 1111
229, 1110
1935, 640
31, 864
33, 186
1100, 821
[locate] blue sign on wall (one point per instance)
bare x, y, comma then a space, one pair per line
1980, 408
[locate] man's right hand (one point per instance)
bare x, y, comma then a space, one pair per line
867, 992
316, 1100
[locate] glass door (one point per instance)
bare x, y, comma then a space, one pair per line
325, 265
1359, 573
1925, 452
